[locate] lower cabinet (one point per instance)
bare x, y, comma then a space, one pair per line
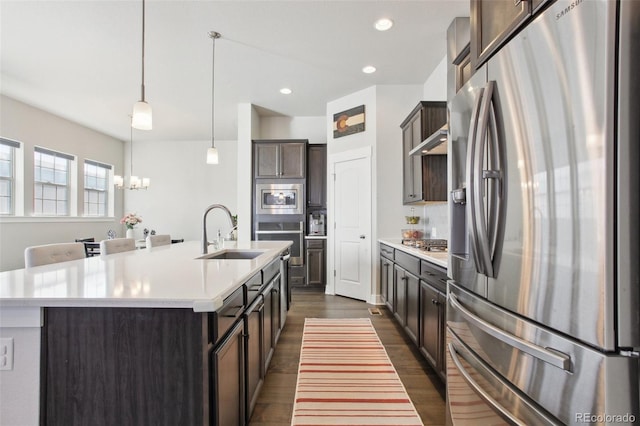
414, 290
316, 263
275, 311
412, 325
433, 326
228, 379
267, 336
386, 282
254, 323
400, 305
407, 301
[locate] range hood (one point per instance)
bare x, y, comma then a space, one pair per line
434, 144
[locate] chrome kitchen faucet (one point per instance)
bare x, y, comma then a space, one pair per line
205, 242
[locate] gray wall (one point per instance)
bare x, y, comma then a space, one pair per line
32, 127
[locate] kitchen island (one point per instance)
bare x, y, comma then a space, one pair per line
149, 336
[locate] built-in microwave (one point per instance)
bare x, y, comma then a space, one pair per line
279, 198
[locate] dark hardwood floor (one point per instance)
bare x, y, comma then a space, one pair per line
275, 402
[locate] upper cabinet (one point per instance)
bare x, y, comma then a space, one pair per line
280, 159
423, 177
317, 176
495, 21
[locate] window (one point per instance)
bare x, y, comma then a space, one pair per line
7, 175
96, 188
51, 188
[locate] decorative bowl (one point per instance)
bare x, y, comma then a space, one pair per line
411, 234
412, 220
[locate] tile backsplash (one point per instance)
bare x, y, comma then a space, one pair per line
432, 217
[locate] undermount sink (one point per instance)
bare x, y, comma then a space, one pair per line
232, 254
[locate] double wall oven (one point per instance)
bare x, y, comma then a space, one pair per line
279, 216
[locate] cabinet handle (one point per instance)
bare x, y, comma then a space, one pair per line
237, 313
435, 302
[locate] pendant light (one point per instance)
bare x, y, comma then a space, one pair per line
134, 181
212, 153
141, 118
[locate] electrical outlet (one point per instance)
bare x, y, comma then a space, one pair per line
6, 353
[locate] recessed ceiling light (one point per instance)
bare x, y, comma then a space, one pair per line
369, 69
383, 24
285, 91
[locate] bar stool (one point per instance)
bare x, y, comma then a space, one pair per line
53, 253
158, 240
117, 245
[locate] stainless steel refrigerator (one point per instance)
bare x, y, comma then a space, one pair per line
543, 321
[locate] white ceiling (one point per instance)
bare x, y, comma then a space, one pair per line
82, 59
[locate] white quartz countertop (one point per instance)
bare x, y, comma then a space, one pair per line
167, 276
436, 257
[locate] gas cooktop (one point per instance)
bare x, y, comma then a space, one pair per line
427, 244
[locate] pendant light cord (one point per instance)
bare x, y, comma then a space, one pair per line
214, 35
131, 152
143, 30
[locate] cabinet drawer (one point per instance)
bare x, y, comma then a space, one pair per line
221, 321
270, 270
254, 285
318, 244
434, 275
387, 251
408, 262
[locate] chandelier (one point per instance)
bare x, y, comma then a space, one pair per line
134, 182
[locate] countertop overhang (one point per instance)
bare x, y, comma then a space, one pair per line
161, 277
436, 257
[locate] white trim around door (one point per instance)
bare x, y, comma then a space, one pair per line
350, 241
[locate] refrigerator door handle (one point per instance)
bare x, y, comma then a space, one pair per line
479, 189
548, 355
495, 187
478, 389
472, 182
504, 412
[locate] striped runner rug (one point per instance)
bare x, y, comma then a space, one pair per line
345, 377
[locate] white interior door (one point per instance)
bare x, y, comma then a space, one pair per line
352, 227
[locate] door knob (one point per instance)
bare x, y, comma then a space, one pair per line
362, 237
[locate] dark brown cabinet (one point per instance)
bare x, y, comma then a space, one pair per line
400, 294
267, 338
317, 176
386, 276
407, 269
254, 319
422, 177
228, 380
280, 159
433, 304
433, 322
316, 263
493, 22
415, 292
275, 311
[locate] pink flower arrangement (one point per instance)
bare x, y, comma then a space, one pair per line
130, 220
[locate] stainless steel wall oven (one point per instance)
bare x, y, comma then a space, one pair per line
284, 231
